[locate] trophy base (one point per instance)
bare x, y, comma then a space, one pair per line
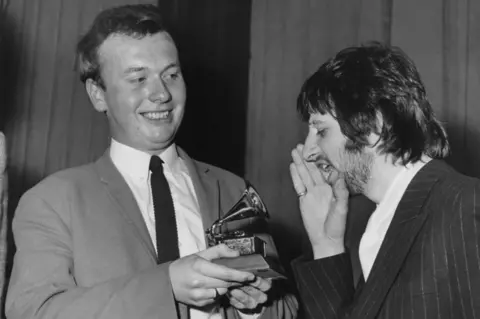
256, 264
246, 245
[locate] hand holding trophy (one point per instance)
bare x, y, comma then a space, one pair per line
254, 252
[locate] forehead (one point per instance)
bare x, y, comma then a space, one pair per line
151, 51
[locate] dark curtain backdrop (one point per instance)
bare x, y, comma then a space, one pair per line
213, 37
291, 38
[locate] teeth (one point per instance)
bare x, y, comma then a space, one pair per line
156, 115
325, 167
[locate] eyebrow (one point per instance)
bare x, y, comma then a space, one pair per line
142, 68
134, 69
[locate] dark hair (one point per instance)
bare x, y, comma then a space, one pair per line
360, 83
136, 21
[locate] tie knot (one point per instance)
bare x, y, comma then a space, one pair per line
156, 163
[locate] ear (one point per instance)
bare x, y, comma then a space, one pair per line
96, 95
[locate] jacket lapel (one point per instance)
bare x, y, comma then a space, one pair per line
207, 191
404, 228
122, 196
206, 188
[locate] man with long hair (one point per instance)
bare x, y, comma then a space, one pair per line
372, 131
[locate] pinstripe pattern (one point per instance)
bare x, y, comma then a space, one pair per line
428, 265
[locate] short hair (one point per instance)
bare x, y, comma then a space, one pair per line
360, 83
135, 21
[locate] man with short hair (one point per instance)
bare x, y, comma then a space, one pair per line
124, 237
373, 132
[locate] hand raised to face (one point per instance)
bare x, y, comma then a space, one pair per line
323, 206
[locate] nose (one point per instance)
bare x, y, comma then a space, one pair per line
160, 92
311, 150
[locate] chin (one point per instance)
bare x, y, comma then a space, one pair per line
354, 189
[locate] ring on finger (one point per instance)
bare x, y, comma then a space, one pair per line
301, 193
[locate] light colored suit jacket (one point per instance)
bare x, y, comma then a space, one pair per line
83, 249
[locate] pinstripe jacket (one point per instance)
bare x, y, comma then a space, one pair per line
428, 265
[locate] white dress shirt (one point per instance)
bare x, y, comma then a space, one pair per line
133, 165
381, 218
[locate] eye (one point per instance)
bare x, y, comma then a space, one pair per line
172, 76
138, 80
321, 132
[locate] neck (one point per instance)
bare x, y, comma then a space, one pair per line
146, 148
384, 170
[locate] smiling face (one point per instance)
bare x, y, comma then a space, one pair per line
144, 97
326, 146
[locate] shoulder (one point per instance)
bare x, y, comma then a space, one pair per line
225, 177
453, 184
454, 198
61, 183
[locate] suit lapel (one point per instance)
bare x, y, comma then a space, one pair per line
206, 188
404, 228
360, 209
122, 196
207, 191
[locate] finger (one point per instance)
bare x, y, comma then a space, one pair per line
203, 297
299, 148
302, 170
205, 282
254, 293
262, 284
316, 173
219, 251
297, 181
223, 273
332, 177
235, 302
340, 192
249, 296
242, 298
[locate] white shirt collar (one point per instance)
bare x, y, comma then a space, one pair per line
380, 220
135, 163
401, 181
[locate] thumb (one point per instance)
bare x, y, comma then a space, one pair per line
340, 192
219, 251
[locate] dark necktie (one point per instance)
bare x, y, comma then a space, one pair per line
165, 223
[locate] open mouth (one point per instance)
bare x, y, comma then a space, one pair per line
325, 167
155, 116
326, 170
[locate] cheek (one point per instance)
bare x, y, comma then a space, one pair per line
179, 94
340, 159
122, 108
330, 151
